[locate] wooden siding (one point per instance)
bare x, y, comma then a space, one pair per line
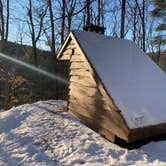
67, 52
88, 101
146, 132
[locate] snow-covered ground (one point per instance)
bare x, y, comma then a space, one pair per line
44, 134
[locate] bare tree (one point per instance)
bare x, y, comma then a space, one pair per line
123, 8
133, 19
70, 8
141, 11
63, 20
99, 12
35, 34
4, 20
52, 27
7, 19
2, 28
143, 26
88, 15
21, 33
134, 22
114, 17
102, 13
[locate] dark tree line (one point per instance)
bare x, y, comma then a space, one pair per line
160, 13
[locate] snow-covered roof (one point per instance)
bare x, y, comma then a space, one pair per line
136, 84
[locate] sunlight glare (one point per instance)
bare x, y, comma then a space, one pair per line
32, 67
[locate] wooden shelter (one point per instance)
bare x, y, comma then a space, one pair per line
114, 88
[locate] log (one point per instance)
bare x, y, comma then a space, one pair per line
76, 65
85, 81
87, 91
66, 54
81, 72
77, 57
146, 132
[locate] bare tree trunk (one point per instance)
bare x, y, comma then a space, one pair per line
143, 25
4, 23
7, 20
35, 33
2, 29
35, 53
69, 23
84, 18
142, 16
70, 11
134, 23
20, 33
52, 27
32, 32
88, 13
123, 8
102, 13
63, 21
99, 12
158, 53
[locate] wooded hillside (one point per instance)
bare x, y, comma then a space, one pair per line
20, 85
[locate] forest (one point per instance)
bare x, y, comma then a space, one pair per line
33, 31
45, 23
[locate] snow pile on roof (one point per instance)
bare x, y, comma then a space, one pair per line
136, 84
44, 134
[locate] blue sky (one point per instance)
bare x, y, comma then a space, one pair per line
19, 16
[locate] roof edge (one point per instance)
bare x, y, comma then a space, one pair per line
147, 132
70, 35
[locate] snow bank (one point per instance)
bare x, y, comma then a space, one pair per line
44, 134
133, 80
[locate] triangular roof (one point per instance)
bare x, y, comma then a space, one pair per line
135, 83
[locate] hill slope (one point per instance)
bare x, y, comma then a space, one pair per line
19, 85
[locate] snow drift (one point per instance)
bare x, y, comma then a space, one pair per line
44, 134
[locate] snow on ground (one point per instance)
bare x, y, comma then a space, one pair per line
44, 134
